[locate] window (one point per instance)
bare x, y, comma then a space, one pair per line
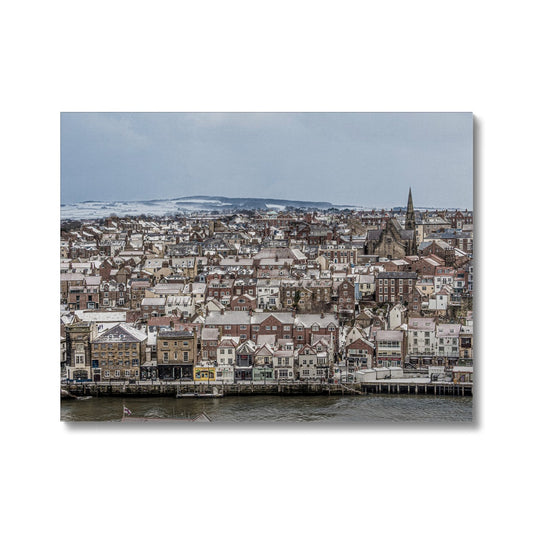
185, 356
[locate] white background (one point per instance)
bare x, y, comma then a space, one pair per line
270, 56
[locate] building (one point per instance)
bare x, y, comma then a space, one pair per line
359, 354
117, 354
421, 341
390, 348
447, 341
176, 354
393, 241
79, 337
283, 365
395, 287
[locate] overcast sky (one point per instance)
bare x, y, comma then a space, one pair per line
368, 159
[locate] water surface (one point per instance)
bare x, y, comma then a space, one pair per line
323, 409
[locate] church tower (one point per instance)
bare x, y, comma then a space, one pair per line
410, 218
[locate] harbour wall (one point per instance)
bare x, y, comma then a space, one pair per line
174, 389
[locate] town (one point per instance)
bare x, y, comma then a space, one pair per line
268, 296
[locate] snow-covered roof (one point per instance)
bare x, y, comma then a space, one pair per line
153, 301
88, 315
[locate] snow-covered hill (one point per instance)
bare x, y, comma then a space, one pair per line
101, 209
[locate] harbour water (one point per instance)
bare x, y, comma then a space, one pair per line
279, 409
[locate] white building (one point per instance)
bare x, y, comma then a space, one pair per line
226, 351
447, 338
420, 337
268, 296
283, 364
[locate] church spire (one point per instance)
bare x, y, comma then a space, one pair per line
410, 218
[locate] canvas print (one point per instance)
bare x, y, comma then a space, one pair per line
267, 267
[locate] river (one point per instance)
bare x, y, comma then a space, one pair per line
323, 409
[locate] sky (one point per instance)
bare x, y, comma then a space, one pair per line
363, 159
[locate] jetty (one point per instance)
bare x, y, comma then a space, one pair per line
218, 390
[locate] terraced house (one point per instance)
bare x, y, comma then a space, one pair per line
176, 354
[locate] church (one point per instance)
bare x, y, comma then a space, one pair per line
393, 241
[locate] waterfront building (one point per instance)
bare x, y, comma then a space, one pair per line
283, 365
225, 373
226, 351
117, 354
421, 341
205, 372
263, 364
78, 338
244, 357
176, 354
359, 354
306, 363
390, 348
447, 340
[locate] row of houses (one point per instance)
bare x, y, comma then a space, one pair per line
237, 346
125, 353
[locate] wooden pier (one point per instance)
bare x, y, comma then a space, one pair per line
386, 386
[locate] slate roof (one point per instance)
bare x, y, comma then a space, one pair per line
121, 333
